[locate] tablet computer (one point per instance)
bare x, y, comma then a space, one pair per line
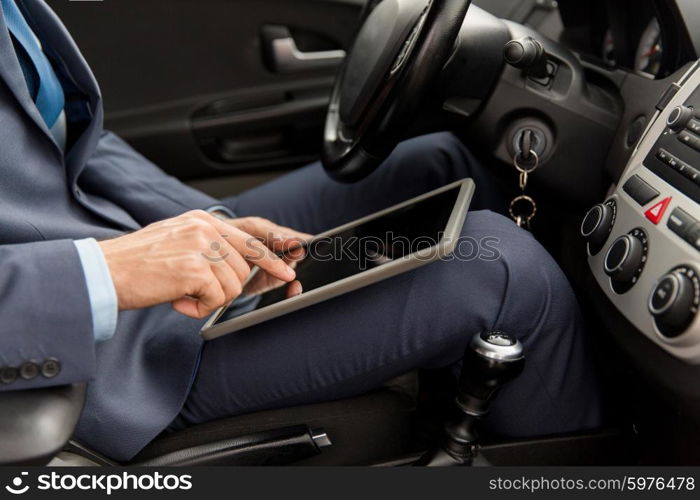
396, 240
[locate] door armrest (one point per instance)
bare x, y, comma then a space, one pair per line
36, 424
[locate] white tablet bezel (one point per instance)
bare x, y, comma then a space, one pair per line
444, 247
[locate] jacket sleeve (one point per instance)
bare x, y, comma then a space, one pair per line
120, 174
46, 335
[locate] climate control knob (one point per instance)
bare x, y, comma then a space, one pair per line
679, 117
624, 258
597, 224
674, 301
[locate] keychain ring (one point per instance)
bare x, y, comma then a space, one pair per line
522, 169
517, 199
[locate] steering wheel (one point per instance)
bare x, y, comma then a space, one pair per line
399, 52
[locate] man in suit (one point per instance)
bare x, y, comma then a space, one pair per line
103, 279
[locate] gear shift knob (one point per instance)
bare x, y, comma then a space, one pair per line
492, 359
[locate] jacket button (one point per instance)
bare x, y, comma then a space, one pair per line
50, 368
29, 370
8, 374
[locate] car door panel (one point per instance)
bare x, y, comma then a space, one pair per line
194, 84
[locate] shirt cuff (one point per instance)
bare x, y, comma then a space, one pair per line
221, 212
103, 296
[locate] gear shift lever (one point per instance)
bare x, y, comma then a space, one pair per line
492, 359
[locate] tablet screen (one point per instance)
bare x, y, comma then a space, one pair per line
374, 243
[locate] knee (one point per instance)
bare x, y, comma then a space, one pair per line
440, 157
535, 290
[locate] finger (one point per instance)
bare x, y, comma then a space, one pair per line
297, 253
293, 233
191, 307
220, 250
234, 260
276, 237
294, 289
251, 249
187, 306
287, 243
261, 228
294, 256
230, 283
258, 254
209, 297
254, 251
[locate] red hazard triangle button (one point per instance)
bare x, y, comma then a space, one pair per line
656, 213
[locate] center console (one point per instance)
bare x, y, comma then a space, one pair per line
644, 240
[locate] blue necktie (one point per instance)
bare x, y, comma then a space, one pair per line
50, 99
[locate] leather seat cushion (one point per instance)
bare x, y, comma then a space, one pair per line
363, 429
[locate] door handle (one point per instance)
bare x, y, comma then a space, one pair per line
287, 58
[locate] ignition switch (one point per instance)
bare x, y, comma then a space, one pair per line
530, 144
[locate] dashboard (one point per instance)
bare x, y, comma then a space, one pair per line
641, 36
640, 292
637, 44
643, 241
648, 56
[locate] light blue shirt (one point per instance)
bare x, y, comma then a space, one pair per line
103, 296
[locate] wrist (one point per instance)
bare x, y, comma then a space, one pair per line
114, 269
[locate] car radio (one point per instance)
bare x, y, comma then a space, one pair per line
644, 240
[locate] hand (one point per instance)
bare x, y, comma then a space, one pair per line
279, 239
195, 261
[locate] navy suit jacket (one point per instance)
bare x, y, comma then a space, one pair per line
101, 188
